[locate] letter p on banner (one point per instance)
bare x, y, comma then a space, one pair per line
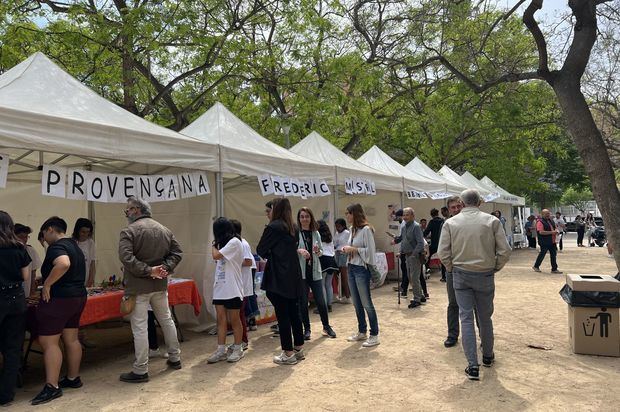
53, 181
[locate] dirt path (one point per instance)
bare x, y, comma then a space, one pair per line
410, 370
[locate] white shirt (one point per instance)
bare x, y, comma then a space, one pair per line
559, 223
228, 283
246, 271
35, 264
341, 239
328, 249
88, 248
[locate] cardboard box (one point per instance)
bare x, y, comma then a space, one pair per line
594, 330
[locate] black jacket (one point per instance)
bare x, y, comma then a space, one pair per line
434, 228
282, 274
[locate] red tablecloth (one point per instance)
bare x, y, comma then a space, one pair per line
106, 305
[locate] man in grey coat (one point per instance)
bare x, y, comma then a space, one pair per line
412, 247
473, 247
149, 253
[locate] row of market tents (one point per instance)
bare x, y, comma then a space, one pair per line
47, 117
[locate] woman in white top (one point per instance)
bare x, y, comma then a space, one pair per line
249, 265
328, 263
361, 251
83, 234
341, 237
228, 290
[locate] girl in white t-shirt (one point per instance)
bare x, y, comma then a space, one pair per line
228, 290
83, 234
249, 265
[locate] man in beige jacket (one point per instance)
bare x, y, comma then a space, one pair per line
473, 247
149, 253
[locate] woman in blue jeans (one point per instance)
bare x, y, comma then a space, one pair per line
361, 251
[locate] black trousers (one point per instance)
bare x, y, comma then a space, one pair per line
423, 280
404, 283
287, 313
319, 299
12, 328
152, 329
531, 242
553, 252
580, 233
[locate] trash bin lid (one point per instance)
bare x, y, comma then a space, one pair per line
593, 283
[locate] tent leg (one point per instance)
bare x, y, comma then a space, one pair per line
219, 184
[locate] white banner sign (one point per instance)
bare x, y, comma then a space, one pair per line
491, 197
53, 181
438, 195
291, 187
4, 169
112, 188
414, 194
359, 186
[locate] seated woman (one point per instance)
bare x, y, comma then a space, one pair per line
62, 301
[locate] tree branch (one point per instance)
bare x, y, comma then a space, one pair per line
543, 57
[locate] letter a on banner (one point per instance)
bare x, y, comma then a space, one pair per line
4, 169
53, 181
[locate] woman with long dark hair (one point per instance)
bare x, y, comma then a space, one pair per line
83, 235
228, 290
361, 250
310, 251
341, 238
282, 279
14, 270
328, 263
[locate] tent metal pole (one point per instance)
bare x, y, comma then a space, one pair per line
219, 184
402, 195
333, 218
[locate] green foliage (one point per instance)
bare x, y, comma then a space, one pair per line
577, 198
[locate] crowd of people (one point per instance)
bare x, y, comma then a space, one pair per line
302, 256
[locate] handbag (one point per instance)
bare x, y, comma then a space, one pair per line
128, 304
375, 275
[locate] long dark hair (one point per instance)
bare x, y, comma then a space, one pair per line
359, 217
326, 234
282, 211
313, 224
223, 231
79, 224
7, 232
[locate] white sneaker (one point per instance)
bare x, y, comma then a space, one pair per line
373, 340
345, 301
236, 355
158, 353
299, 354
282, 359
356, 337
217, 356
230, 348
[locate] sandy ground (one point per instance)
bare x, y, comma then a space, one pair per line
410, 370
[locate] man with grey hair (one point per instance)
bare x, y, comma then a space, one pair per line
412, 247
473, 247
149, 253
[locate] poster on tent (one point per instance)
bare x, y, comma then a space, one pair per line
359, 186
438, 195
490, 197
291, 187
4, 169
114, 188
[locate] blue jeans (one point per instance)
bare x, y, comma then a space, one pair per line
359, 283
328, 288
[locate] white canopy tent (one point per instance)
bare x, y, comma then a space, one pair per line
379, 160
48, 117
505, 195
244, 154
419, 167
455, 178
388, 186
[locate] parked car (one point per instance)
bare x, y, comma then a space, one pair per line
571, 226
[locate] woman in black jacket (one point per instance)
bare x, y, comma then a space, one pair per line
282, 279
14, 270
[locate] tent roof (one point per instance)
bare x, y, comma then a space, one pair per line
378, 159
245, 152
316, 146
452, 176
474, 183
44, 108
418, 166
505, 195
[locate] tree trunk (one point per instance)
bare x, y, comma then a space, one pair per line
593, 152
129, 97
